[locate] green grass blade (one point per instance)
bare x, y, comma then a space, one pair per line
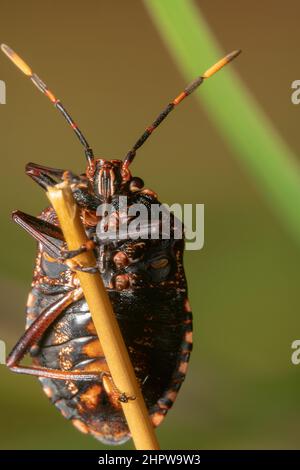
232, 109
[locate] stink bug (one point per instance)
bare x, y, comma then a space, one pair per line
144, 277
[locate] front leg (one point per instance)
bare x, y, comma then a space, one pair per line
44, 175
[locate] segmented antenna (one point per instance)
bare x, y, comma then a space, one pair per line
45, 90
187, 91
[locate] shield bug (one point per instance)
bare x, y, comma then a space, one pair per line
144, 277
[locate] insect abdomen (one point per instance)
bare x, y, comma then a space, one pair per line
71, 344
155, 334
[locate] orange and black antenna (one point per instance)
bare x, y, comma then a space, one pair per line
45, 90
187, 91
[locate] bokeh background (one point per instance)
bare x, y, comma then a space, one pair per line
109, 65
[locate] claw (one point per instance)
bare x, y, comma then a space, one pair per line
76, 266
68, 254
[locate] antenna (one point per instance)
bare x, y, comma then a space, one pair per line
187, 91
45, 90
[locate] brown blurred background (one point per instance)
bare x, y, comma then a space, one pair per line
107, 63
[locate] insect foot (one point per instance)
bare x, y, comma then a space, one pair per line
123, 398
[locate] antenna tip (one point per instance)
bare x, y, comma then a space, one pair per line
16, 60
220, 64
232, 55
7, 50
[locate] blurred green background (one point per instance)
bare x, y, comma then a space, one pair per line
110, 67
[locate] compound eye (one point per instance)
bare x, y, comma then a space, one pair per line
159, 263
136, 184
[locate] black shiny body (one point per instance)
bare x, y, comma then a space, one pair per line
154, 316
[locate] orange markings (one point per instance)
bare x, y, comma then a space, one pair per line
120, 259
187, 306
31, 300
65, 359
108, 385
157, 418
98, 366
111, 391
179, 98
228, 58
60, 336
188, 337
172, 395
89, 218
159, 264
93, 349
50, 96
122, 282
90, 327
183, 367
149, 192
90, 245
48, 391
72, 387
91, 397
80, 426
48, 257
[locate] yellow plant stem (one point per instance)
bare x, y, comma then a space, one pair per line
105, 322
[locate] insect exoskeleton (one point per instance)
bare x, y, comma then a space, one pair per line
141, 262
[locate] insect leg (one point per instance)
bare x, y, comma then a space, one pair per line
34, 334
69, 254
44, 175
49, 235
112, 391
56, 374
40, 325
74, 266
51, 238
